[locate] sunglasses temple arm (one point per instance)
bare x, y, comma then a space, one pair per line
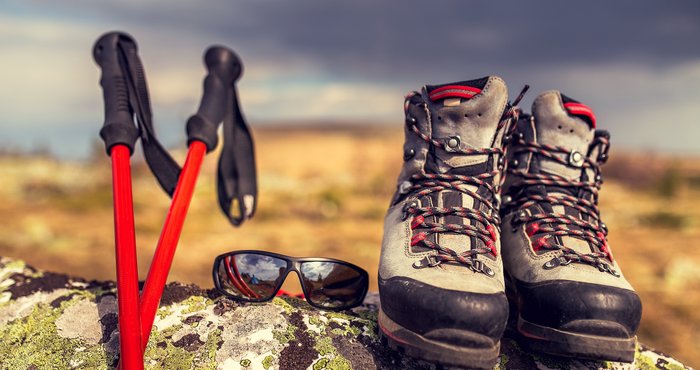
120, 134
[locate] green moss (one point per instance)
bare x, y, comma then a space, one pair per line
5, 298
195, 303
285, 336
295, 303
502, 361
163, 312
284, 304
673, 366
369, 315
339, 332
644, 363
268, 361
339, 363
211, 346
339, 315
316, 321
16, 266
168, 356
324, 346
245, 362
321, 364
34, 341
368, 321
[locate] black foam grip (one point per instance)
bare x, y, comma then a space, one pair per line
118, 126
224, 68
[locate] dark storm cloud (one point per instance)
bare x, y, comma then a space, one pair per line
394, 39
637, 63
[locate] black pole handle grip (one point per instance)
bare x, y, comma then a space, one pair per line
224, 68
119, 125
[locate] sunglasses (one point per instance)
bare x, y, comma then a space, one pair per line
256, 276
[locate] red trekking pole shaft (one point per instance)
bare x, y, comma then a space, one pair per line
125, 251
165, 251
224, 68
119, 135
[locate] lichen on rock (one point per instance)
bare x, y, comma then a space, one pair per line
54, 321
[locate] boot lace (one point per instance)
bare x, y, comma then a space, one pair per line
487, 225
543, 228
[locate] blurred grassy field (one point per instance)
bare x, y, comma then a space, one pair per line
323, 192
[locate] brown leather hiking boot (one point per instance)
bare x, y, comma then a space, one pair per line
563, 283
440, 274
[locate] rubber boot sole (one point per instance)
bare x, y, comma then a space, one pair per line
567, 344
446, 354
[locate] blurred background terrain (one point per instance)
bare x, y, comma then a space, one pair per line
322, 88
324, 192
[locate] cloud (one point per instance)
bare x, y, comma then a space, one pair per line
643, 106
262, 267
44, 72
318, 61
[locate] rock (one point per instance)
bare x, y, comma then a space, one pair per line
49, 320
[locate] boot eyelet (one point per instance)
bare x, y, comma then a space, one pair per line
452, 143
554, 262
404, 187
406, 206
576, 158
501, 162
428, 261
410, 120
408, 154
514, 163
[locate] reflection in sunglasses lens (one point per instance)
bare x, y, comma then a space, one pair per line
250, 276
332, 285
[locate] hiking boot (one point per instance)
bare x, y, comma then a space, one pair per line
563, 283
440, 274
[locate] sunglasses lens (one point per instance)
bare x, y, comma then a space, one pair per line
333, 285
249, 276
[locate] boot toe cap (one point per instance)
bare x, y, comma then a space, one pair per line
581, 307
447, 315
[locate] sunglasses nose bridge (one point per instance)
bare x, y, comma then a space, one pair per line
292, 266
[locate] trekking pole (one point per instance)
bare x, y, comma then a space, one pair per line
119, 134
236, 175
125, 95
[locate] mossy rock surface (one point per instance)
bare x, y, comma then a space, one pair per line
53, 321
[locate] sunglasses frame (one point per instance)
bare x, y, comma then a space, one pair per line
293, 264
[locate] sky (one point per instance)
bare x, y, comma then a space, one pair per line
635, 62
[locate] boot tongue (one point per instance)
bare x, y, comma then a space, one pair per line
464, 115
563, 122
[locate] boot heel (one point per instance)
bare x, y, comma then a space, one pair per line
441, 352
568, 344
